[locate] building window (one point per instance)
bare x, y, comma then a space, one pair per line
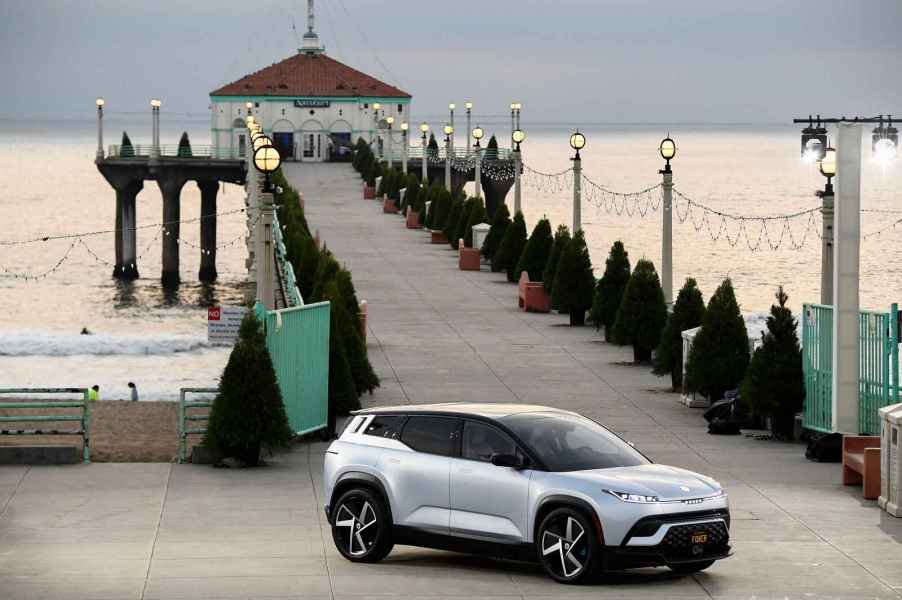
366, 105
257, 104
400, 108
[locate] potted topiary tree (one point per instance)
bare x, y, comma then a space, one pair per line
450, 225
609, 291
510, 248
561, 239
248, 414
184, 150
432, 148
372, 172
642, 312
536, 252
720, 351
774, 384
573, 280
688, 311
491, 149
461, 228
500, 223
126, 150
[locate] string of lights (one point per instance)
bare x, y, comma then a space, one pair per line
42, 275
630, 204
547, 183
892, 227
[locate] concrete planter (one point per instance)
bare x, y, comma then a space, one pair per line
369, 192
438, 236
413, 219
468, 258
388, 206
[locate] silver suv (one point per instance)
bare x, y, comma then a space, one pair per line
517, 481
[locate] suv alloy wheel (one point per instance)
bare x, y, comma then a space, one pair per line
567, 546
361, 526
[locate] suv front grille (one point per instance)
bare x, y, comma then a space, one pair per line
678, 543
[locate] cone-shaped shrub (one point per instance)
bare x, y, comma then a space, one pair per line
365, 379
304, 257
450, 226
500, 223
491, 149
688, 311
125, 147
561, 239
372, 172
343, 396
441, 204
460, 231
642, 312
326, 271
477, 216
247, 413
774, 384
536, 252
574, 282
511, 247
184, 150
412, 196
720, 350
609, 291
385, 183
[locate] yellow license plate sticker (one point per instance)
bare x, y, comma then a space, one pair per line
700, 538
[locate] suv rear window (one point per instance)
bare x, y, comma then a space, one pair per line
386, 427
433, 435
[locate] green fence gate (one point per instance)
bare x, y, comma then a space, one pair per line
878, 366
298, 342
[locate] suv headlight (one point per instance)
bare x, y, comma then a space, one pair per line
633, 498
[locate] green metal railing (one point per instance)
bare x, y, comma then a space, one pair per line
285, 266
878, 366
84, 419
298, 342
190, 414
143, 151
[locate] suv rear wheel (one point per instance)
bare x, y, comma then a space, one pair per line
361, 527
567, 546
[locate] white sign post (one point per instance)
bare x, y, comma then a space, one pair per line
223, 323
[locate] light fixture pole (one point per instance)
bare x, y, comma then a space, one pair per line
404, 128
577, 142
449, 131
424, 174
99, 155
517, 138
390, 120
469, 107
376, 137
513, 122
477, 179
827, 167
451, 108
667, 148
266, 160
155, 134
519, 106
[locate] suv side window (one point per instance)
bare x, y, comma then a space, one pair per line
433, 435
481, 442
386, 427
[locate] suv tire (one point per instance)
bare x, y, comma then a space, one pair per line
361, 526
567, 546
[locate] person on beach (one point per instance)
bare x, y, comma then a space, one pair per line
94, 393
134, 390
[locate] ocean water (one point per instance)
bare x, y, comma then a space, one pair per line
157, 338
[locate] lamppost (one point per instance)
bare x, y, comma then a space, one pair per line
404, 128
478, 132
99, 154
515, 117
424, 175
449, 131
577, 142
374, 137
155, 135
667, 148
266, 160
469, 107
827, 167
517, 138
250, 107
451, 108
390, 120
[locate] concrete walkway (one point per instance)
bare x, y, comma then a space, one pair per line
436, 334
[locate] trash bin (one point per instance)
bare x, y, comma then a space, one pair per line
891, 459
480, 231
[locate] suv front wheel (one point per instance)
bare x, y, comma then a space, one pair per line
361, 526
567, 546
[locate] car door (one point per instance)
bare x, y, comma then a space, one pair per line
487, 501
420, 479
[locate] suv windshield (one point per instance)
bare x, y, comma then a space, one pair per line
572, 443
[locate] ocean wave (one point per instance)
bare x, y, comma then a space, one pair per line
34, 343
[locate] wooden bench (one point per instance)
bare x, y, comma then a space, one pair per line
861, 463
532, 296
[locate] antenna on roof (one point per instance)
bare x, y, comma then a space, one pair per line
311, 44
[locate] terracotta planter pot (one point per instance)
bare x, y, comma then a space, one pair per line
369, 192
388, 206
413, 219
438, 236
468, 259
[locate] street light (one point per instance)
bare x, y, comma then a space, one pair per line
885, 141
424, 129
267, 159
469, 107
449, 131
814, 141
260, 141
99, 154
155, 144
404, 148
667, 148
249, 106
478, 133
518, 137
390, 120
827, 165
155, 103
577, 142
451, 108
100, 102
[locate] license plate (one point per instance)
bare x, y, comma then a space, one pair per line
700, 538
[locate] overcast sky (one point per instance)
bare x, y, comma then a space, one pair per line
569, 61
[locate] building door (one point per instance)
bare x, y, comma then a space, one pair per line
310, 150
284, 143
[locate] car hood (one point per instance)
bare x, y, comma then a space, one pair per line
667, 483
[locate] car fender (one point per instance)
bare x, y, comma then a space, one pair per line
571, 497
366, 477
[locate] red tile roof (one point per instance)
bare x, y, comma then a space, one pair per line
309, 75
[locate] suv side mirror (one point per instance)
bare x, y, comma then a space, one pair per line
513, 461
